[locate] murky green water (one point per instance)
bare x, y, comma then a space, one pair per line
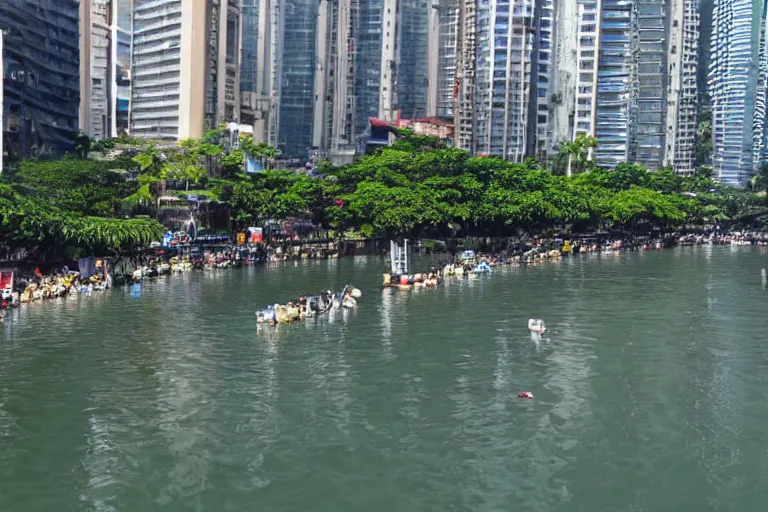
650, 393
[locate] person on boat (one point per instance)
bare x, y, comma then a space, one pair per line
302, 308
348, 299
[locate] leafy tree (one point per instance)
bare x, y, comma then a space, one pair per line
183, 163
85, 186
82, 145
33, 224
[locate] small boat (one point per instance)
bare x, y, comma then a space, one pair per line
536, 326
482, 268
468, 257
309, 307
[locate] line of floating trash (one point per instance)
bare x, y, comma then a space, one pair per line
467, 265
325, 303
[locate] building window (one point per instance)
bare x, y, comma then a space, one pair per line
231, 38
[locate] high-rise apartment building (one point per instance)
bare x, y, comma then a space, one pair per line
404, 81
565, 74
649, 81
625, 73
388, 69
447, 57
465, 87
186, 61
335, 100
683, 93
504, 68
122, 62
541, 132
252, 58
95, 58
314, 73
737, 88
586, 70
106, 33
261, 30
158, 101
41, 89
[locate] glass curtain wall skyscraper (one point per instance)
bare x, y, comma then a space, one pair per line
613, 83
368, 64
736, 86
412, 75
41, 68
297, 78
250, 47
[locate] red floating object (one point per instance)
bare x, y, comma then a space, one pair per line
525, 394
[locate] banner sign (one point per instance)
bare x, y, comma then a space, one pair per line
256, 235
253, 165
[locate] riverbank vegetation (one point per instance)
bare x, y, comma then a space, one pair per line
417, 187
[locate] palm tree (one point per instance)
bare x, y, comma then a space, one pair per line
576, 156
759, 182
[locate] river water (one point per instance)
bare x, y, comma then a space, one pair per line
649, 392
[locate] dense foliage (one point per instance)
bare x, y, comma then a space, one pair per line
417, 187
85, 186
420, 188
39, 229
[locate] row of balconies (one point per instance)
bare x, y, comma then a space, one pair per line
168, 102
170, 35
170, 10
162, 25
154, 72
156, 117
172, 55
151, 5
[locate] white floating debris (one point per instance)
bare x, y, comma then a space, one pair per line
536, 325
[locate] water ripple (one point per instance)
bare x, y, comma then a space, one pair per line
648, 388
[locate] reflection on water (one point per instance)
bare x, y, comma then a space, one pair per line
649, 391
